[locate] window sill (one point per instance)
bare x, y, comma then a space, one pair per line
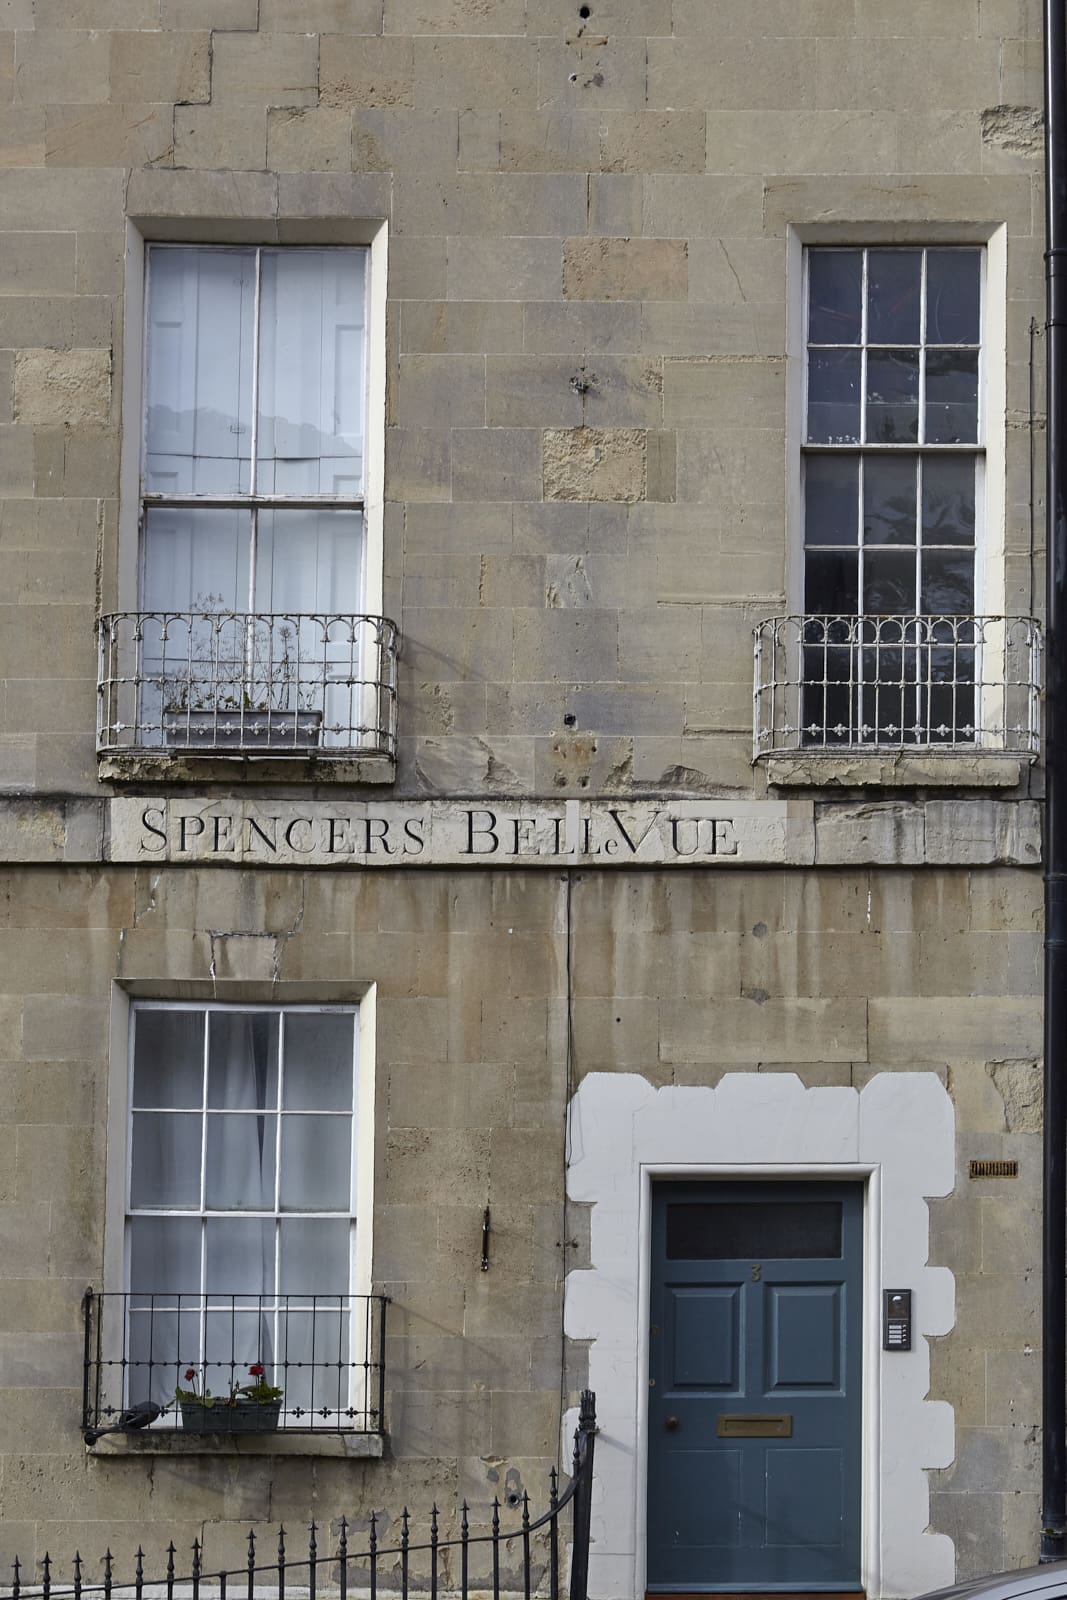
153, 767
887, 771
172, 1442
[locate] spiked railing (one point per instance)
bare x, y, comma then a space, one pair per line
369, 1566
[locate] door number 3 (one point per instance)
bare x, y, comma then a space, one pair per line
757, 1272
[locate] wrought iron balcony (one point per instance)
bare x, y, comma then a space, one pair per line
296, 684
918, 684
168, 1360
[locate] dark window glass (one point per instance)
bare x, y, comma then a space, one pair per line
952, 296
889, 500
888, 581
948, 500
831, 499
754, 1230
834, 396
894, 296
835, 289
948, 582
951, 396
830, 580
892, 396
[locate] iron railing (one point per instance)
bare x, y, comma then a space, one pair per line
252, 683
965, 684
524, 1560
325, 1352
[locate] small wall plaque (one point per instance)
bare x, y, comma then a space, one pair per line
994, 1169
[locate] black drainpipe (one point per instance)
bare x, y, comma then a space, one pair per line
1054, 1252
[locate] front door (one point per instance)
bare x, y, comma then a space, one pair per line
754, 1398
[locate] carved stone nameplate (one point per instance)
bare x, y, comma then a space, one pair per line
507, 833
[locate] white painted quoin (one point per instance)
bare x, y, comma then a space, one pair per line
897, 1135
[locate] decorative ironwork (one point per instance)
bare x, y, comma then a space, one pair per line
963, 684
251, 683
325, 1352
513, 1561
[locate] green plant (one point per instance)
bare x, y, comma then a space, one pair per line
259, 1392
237, 663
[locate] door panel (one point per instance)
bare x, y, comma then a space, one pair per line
754, 1400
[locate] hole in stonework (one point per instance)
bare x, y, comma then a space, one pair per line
574, 77
569, 719
583, 11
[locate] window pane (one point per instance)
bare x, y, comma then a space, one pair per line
165, 1164
317, 1348
888, 581
314, 1256
164, 1257
834, 396
168, 1058
893, 296
242, 1060
198, 430
835, 288
195, 561
830, 581
318, 1061
951, 396
743, 1230
239, 1257
162, 1346
234, 1341
948, 582
892, 396
948, 500
316, 1163
831, 499
309, 561
889, 499
952, 296
240, 1162
310, 436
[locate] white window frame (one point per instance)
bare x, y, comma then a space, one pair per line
119, 1143
373, 237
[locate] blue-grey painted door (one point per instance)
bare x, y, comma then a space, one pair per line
754, 1387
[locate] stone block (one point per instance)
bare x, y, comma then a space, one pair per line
114, 135
752, 1031
660, 644
418, 464
548, 141
479, 141
653, 141
276, 69
309, 139
594, 464
16, 460
496, 464
891, 198
743, 71
615, 204
99, 262
459, 326
61, 200
432, 387
940, 141
641, 17
387, 137
240, 14
504, 269
579, 329
320, 16
688, 207
22, 136
221, 136
802, 141
735, 393
68, 386
462, 644
499, 72
591, 72
366, 72
577, 646
625, 269
911, 70
513, 204
151, 67
43, 262
907, 1031
456, 16
530, 391
62, 66
242, 197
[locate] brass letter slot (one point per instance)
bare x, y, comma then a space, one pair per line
768, 1425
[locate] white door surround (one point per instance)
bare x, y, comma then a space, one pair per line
897, 1134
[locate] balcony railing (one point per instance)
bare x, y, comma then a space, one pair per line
958, 684
296, 684
324, 1352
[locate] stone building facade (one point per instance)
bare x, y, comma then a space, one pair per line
626, 327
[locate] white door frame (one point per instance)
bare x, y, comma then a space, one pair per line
897, 1137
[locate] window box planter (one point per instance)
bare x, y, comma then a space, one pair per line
238, 1416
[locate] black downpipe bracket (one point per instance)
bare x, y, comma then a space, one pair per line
1054, 1249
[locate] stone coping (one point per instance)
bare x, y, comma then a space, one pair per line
173, 1442
803, 771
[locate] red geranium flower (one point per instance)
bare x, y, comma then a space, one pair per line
190, 1374
258, 1370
